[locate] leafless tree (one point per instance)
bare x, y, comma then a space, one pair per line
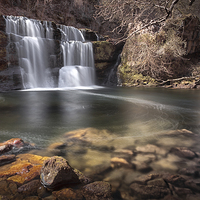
123, 13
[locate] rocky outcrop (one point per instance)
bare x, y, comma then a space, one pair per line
105, 56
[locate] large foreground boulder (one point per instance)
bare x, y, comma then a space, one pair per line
56, 171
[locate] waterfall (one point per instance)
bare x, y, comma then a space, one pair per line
38, 54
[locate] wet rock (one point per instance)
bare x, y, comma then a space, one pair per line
7, 188
182, 192
26, 168
5, 148
7, 159
14, 144
175, 180
145, 178
192, 185
90, 137
149, 148
193, 171
57, 149
158, 182
43, 192
180, 132
149, 191
183, 152
82, 178
98, 190
29, 189
56, 171
123, 153
68, 193
120, 162
142, 166
146, 158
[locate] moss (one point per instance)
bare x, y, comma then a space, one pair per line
103, 50
130, 77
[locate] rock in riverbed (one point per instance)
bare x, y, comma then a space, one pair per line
56, 171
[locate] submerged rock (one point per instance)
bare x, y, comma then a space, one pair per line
183, 152
56, 171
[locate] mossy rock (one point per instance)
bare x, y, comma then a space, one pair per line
103, 51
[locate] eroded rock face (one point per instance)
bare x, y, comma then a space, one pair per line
56, 171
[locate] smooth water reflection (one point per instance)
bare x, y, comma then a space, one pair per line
43, 116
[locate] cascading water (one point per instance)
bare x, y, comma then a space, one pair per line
35, 45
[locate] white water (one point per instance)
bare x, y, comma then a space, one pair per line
36, 53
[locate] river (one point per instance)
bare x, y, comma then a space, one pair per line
132, 117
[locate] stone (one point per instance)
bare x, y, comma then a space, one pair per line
183, 152
98, 190
182, 192
82, 178
158, 182
26, 168
145, 178
142, 166
56, 171
150, 148
30, 188
149, 191
7, 159
90, 137
175, 180
43, 192
120, 162
194, 172
14, 144
57, 149
68, 193
192, 185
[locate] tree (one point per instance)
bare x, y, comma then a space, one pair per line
124, 14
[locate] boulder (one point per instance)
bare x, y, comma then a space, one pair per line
56, 171
98, 190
